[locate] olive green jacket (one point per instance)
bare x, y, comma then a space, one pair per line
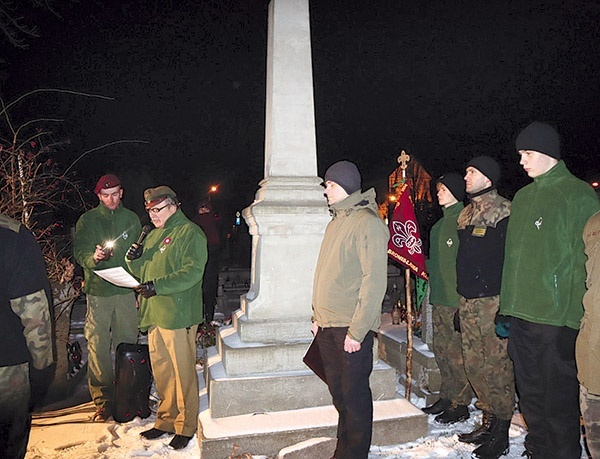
97, 227
173, 258
588, 340
351, 273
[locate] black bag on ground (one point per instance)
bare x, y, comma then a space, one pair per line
133, 380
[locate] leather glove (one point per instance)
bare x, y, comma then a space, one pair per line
457, 321
502, 325
146, 289
134, 252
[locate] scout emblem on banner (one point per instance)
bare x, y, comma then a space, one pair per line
405, 245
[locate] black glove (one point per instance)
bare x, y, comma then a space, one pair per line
502, 325
39, 381
146, 289
134, 252
457, 321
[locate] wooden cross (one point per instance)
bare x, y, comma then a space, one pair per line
403, 160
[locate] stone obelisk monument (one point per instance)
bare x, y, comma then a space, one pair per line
258, 386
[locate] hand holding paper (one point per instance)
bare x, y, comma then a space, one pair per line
118, 276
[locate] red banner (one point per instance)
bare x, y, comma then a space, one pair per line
405, 245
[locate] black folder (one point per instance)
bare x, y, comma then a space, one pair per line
312, 359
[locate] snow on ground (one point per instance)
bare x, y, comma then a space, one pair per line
68, 434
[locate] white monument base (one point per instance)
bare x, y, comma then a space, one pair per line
394, 421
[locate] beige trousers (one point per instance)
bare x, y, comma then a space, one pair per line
173, 359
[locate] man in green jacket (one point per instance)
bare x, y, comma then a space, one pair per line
349, 286
170, 265
455, 392
102, 237
542, 288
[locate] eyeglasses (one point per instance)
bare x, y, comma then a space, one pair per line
156, 210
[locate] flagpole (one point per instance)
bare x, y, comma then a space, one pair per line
409, 333
403, 159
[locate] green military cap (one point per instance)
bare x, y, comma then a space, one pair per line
154, 196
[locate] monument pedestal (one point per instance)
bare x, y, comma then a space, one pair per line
394, 421
259, 394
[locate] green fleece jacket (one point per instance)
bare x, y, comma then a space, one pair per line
173, 258
97, 227
543, 278
441, 265
351, 273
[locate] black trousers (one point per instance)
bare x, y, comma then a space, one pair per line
348, 380
546, 377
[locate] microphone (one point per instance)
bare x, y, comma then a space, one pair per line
145, 230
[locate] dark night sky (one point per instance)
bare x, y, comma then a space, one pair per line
444, 80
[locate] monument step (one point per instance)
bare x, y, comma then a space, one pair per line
394, 421
280, 391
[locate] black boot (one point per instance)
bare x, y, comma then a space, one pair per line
482, 433
438, 407
455, 413
498, 443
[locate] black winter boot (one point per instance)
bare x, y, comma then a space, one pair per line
455, 413
438, 407
482, 433
498, 443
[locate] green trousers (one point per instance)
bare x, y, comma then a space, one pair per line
109, 321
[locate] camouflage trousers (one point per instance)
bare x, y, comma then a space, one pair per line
447, 347
15, 418
590, 410
488, 366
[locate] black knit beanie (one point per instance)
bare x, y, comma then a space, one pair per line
345, 174
540, 137
487, 166
455, 183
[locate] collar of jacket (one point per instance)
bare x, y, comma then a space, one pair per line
559, 170
454, 209
356, 200
176, 219
106, 211
481, 192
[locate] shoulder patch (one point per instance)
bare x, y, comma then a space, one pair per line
9, 223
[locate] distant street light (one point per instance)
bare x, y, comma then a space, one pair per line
212, 190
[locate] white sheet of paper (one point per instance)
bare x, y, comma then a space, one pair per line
117, 276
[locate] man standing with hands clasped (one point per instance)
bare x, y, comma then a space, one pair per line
349, 287
542, 289
170, 266
102, 236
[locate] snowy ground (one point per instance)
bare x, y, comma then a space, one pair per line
68, 434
